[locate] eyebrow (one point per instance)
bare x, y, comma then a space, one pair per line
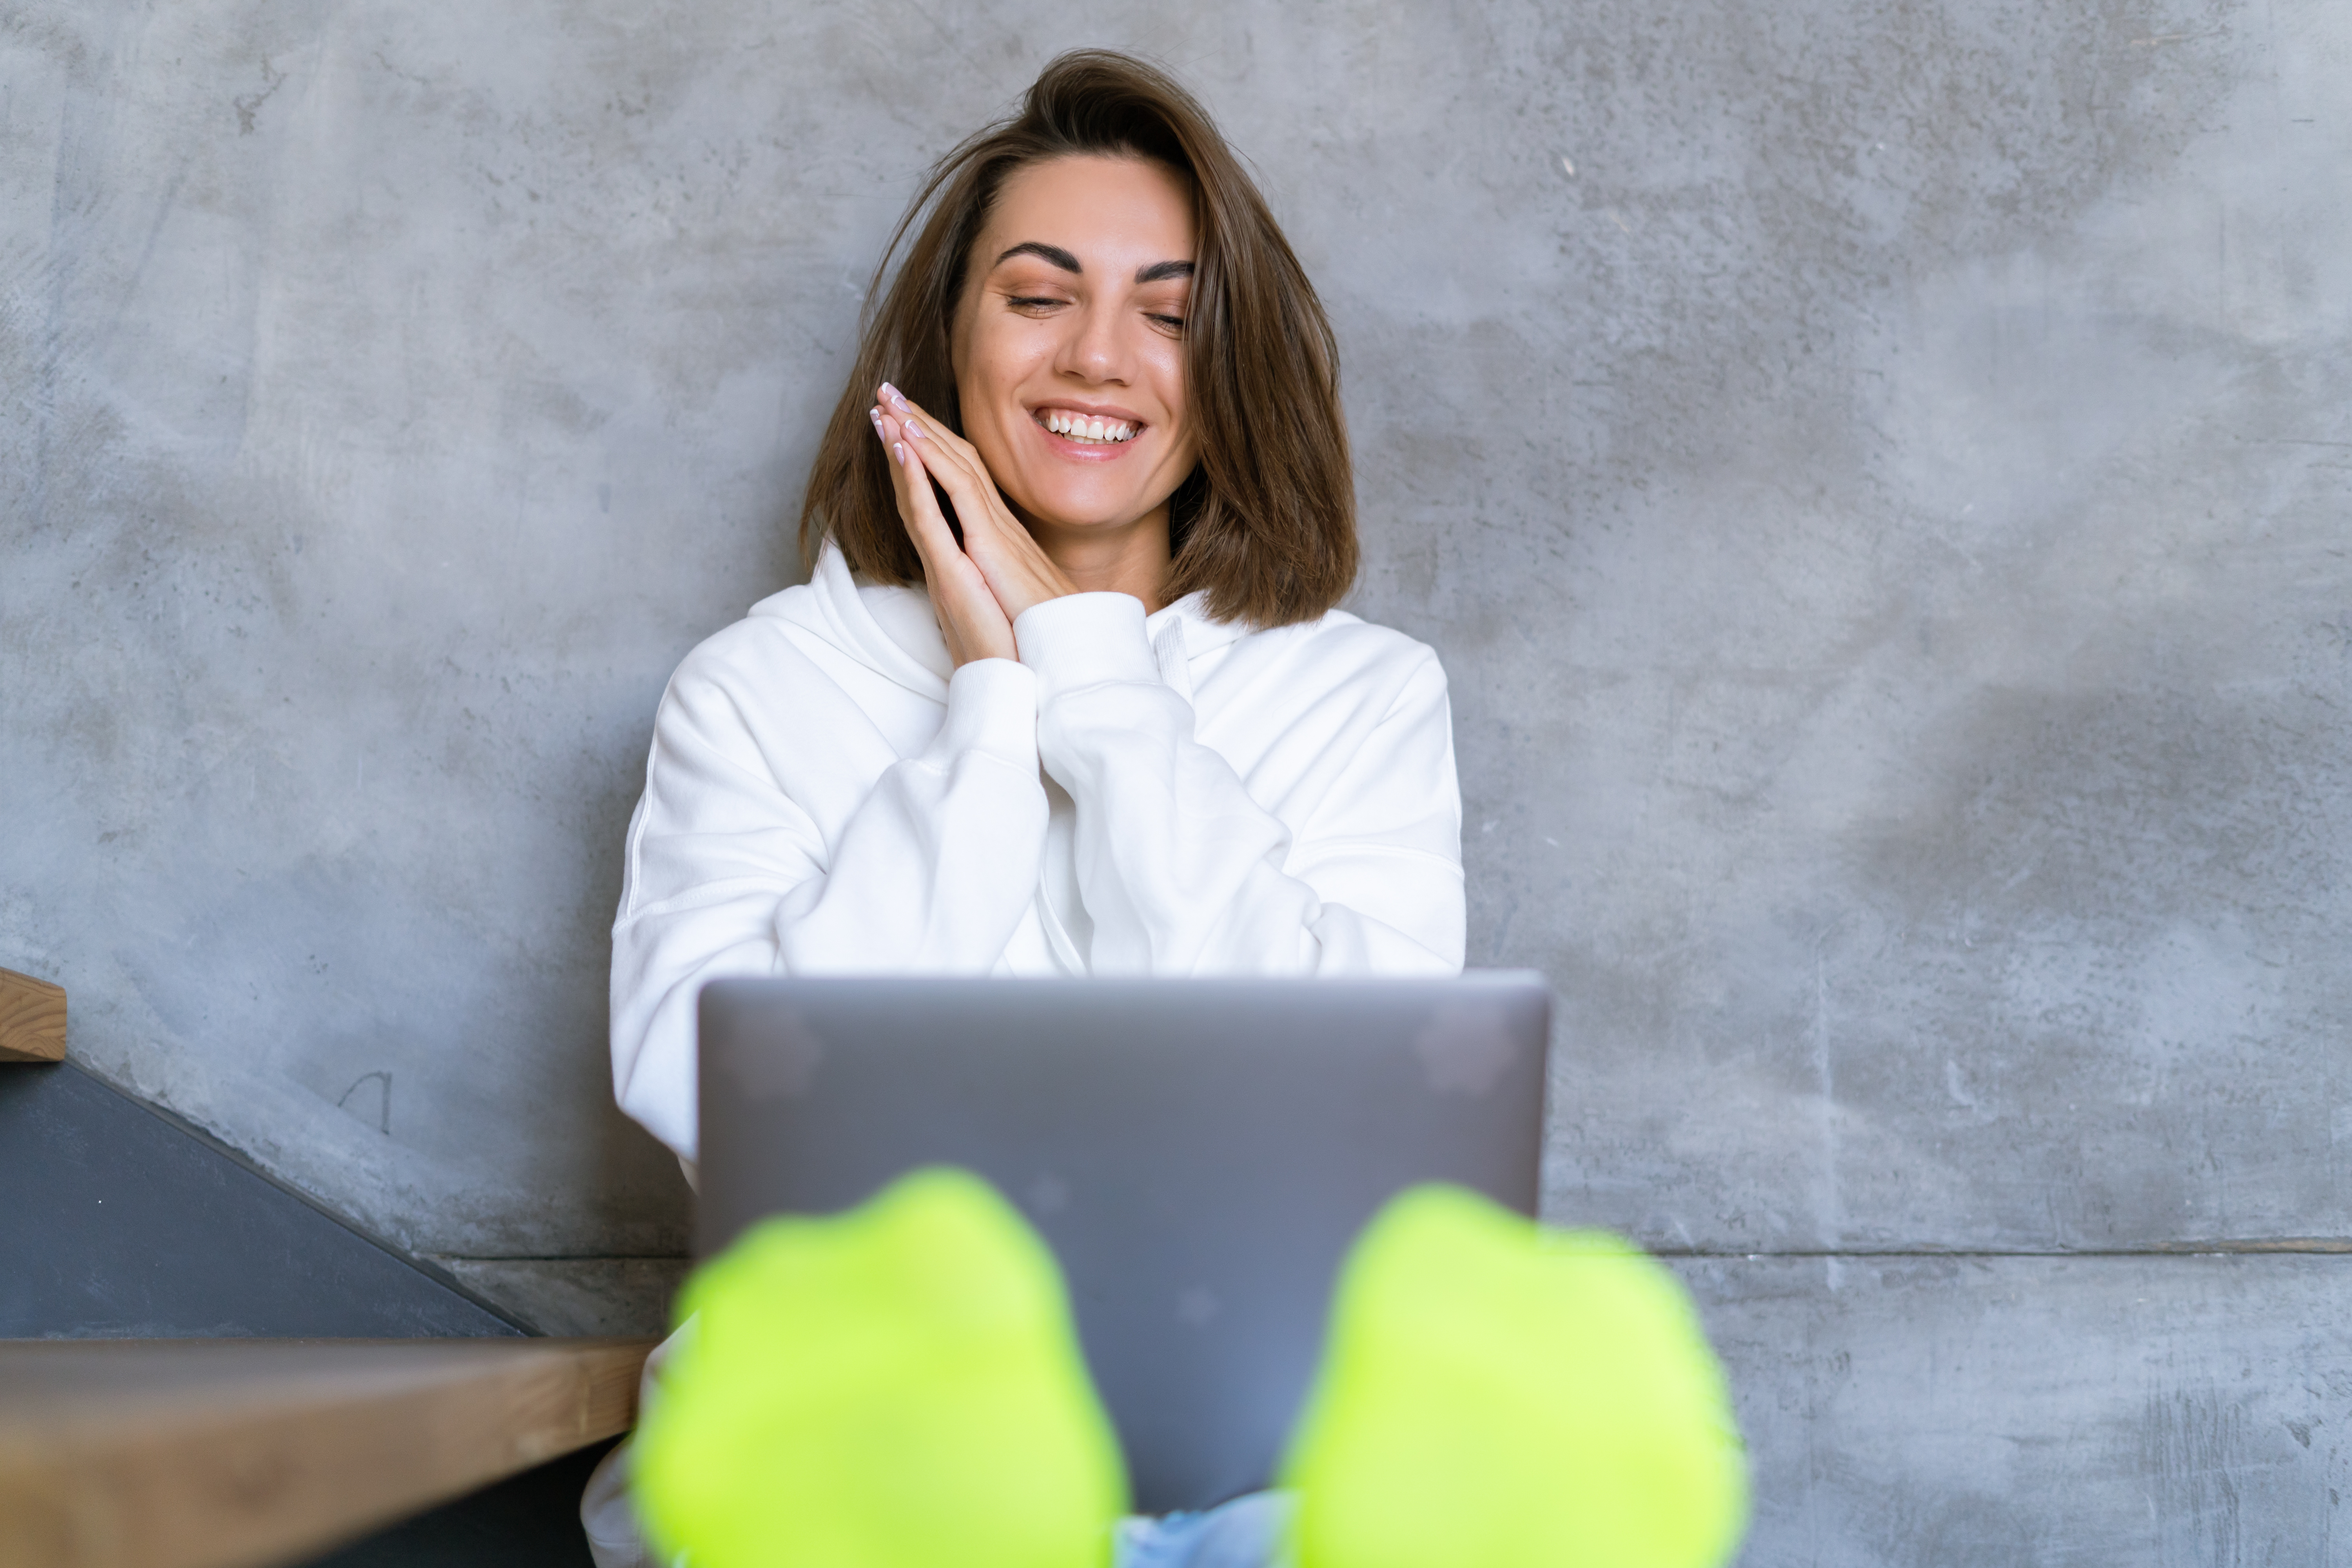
1051, 254
1054, 255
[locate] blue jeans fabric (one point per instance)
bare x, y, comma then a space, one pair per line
1244, 1534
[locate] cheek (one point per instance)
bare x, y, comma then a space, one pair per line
1166, 376
982, 351
973, 382
997, 363
1171, 397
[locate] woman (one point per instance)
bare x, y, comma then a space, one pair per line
1067, 693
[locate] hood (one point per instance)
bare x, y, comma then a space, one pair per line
892, 632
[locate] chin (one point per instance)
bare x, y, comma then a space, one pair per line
1080, 507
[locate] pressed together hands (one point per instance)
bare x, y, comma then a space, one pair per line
979, 588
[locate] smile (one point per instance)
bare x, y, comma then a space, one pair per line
1090, 428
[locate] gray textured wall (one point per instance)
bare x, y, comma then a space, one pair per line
1885, 511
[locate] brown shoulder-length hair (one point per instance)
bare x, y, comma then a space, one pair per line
1266, 521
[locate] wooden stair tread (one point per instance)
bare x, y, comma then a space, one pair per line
243, 1453
32, 1019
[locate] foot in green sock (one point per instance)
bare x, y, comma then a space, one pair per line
900, 1386
1496, 1395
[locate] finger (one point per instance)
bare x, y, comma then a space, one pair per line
909, 488
951, 566
930, 427
974, 624
1016, 568
946, 454
918, 509
977, 504
912, 486
1018, 571
939, 460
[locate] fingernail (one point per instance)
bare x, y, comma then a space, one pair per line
875, 415
891, 396
912, 428
899, 450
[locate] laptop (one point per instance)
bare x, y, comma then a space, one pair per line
1198, 1153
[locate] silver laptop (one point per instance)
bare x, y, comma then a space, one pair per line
1200, 1154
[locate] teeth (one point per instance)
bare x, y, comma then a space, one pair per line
1082, 427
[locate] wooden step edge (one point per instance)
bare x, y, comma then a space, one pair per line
32, 1019
205, 1475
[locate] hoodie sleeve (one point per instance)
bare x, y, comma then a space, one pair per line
727, 872
1182, 872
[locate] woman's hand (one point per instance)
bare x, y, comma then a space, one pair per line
974, 625
1017, 573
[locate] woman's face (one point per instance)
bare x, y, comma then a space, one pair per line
1069, 341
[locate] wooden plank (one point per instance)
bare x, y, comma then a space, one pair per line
32, 1019
245, 1453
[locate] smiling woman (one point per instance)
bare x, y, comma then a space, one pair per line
1066, 693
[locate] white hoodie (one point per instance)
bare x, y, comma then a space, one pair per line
1138, 795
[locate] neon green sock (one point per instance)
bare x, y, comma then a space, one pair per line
1496, 1395
900, 1386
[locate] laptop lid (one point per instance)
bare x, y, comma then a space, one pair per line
1198, 1153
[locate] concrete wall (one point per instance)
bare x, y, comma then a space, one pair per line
1877, 471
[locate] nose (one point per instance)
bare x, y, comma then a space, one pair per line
1096, 349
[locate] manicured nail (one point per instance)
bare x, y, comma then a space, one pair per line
899, 450
891, 397
912, 428
875, 415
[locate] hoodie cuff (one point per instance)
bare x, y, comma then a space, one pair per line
991, 708
1085, 639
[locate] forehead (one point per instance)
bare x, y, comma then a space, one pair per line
1122, 211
